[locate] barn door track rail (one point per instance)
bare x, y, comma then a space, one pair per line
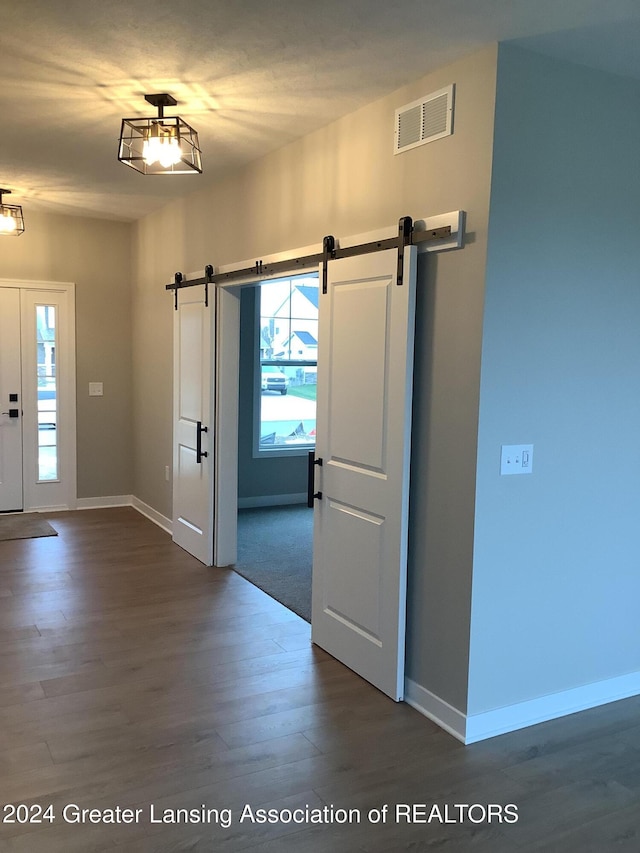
407, 235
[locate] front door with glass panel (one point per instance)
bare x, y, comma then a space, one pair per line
37, 385
10, 401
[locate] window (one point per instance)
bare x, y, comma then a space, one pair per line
287, 364
47, 393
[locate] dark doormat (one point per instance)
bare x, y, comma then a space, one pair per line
28, 525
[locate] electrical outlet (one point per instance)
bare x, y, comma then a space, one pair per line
516, 459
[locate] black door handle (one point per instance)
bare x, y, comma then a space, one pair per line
311, 495
13, 413
199, 451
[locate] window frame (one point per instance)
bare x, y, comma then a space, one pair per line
279, 450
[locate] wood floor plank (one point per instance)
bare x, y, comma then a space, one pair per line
18, 694
10, 635
132, 675
231, 664
614, 831
79, 723
29, 757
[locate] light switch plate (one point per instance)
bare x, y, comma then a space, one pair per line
95, 389
516, 459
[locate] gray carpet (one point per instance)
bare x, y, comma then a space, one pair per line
275, 546
27, 525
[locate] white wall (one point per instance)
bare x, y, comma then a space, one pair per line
556, 581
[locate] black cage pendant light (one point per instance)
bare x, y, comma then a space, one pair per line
11, 218
163, 145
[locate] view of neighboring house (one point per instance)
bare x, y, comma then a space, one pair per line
299, 345
289, 320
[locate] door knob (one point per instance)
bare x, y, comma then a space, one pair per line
13, 413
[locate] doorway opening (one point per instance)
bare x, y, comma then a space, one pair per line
276, 430
275, 553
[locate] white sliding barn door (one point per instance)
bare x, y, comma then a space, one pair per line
365, 371
193, 332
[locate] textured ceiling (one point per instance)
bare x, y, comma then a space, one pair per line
250, 76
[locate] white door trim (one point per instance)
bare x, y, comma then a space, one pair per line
63, 494
225, 420
30, 284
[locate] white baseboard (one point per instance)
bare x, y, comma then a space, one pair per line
272, 500
60, 508
103, 502
128, 500
166, 523
436, 709
152, 514
470, 728
501, 720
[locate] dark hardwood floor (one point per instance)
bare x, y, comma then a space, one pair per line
134, 677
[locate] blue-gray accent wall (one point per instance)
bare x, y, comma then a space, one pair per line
556, 570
